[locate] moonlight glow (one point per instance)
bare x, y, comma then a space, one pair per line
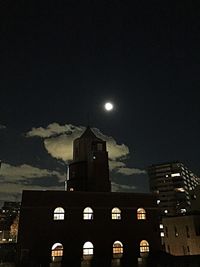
108, 106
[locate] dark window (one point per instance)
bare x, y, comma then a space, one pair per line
187, 231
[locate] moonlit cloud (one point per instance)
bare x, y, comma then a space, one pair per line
58, 141
130, 171
15, 179
122, 188
14, 174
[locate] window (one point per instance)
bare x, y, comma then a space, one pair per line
117, 249
88, 214
99, 146
116, 214
141, 214
57, 252
175, 231
59, 214
88, 250
166, 231
144, 248
187, 231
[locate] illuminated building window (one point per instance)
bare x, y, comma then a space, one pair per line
175, 231
59, 214
117, 249
57, 252
116, 214
88, 214
88, 250
71, 189
161, 226
141, 214
165, 211
175, 174
162, 234
158, 201
144, 248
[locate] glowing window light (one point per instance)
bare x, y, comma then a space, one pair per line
116, 214
141, 214
175, 174
88, 214
117, 249
59, 214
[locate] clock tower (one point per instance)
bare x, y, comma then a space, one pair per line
89, 170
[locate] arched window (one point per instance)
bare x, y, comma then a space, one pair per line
116, 214
117, 249
59, 214
88, 214
141, 214
88, 250
57, 252
144, 248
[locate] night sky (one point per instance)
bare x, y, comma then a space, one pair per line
61, 60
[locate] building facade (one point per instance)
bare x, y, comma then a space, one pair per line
182, 235
87, 225
172, 183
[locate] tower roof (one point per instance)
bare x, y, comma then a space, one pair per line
88, 134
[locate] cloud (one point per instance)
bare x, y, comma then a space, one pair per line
2, 127
14, 174
130, 171
122, 188
15, 179
58, 141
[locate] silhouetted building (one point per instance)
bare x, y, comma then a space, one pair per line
172, 183
88, 225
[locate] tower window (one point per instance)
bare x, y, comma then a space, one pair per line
99, 147
116, 214
117, 249
144, 248
88, 250
57, 252
141, 214
59, 214
88, 214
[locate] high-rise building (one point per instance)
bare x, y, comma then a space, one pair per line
172, 183
87, 225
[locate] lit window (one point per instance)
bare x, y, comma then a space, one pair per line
116, 214
59, 214
162, 234
88, 250
158, 201
141, 214
175, 174
71, 189
117, 249
165, 211
161, 226
88, 214
144, 248
179, 189
57, 252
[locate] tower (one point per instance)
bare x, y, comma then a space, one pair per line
89, 170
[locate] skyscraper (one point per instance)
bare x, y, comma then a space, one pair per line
172, 183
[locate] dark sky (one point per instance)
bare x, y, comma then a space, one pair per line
60, 60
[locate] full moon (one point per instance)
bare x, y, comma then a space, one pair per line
108, 106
